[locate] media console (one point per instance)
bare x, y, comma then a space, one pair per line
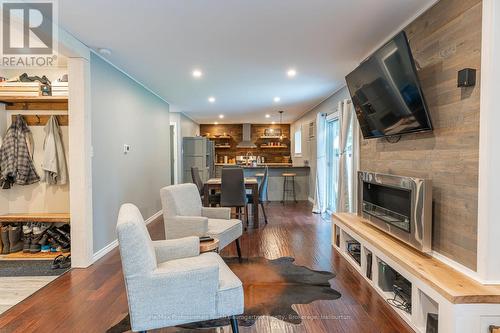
434, 290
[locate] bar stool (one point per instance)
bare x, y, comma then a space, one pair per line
261, 176
287, 178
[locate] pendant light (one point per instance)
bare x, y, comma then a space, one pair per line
281, 120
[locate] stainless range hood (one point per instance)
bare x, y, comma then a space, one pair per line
247, 137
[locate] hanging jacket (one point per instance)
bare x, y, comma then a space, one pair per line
54, 161
16, 163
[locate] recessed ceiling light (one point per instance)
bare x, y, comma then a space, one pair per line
211, 99
221, 116
273, 122
268, 116
216, 123
291, 72
276, 99
197, 73
104, 51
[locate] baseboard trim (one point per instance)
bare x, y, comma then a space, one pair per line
108, 248
153, 217
105, 250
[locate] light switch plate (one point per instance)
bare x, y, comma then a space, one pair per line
126, 149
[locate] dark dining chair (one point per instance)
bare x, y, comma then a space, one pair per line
262, 193
213, 198
233, 193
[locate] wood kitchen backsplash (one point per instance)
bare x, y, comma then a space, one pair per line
275, 155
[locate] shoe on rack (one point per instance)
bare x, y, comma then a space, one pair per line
44, 240
27, 228
35, 247
27, 242
65, 232
52, 245
58, 238
15, 239
40, 228
4, 231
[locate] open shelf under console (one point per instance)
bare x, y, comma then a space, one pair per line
425, 290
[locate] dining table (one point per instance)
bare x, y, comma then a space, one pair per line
251, 183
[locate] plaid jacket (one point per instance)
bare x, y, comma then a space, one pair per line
16, 164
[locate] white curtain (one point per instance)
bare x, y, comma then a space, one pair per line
348, 158
320, 186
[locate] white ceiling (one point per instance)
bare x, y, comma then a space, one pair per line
243, 48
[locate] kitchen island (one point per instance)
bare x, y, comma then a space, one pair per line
275, 187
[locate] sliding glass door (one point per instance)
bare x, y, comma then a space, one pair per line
332, 161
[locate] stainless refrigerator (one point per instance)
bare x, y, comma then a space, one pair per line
198, 152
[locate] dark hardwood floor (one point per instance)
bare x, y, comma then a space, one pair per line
93, 299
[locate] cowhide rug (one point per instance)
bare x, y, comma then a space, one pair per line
271, 288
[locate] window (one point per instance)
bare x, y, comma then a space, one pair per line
298, 142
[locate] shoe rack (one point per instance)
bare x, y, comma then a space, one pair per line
62, 218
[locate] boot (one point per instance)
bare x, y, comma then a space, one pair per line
5, 239
35, 246
27, 235
27, 242
16, 243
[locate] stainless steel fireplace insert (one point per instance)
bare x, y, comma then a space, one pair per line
400, 206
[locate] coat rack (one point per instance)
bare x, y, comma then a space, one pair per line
41, 120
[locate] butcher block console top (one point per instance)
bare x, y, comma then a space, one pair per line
450, 283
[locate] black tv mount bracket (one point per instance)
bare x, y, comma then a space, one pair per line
393, 138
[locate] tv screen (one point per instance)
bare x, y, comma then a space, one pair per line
386, 93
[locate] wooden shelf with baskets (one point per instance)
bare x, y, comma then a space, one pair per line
35, 102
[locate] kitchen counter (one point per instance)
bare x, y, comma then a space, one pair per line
275, 184
262, 165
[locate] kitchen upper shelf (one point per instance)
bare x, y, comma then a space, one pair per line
272, 137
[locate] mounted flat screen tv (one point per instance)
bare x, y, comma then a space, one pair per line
386, 92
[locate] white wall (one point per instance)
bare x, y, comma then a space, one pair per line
38, 197
309, 146
185, 127
124, 112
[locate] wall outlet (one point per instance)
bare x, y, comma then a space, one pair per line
126, 149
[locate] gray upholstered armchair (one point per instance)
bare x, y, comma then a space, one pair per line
169, 283
184, 216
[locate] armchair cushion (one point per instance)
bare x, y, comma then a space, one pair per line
223, 213
174, 293
229, 296
176, 248
184, 226
226, 231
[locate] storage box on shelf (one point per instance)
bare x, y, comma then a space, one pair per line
460, 303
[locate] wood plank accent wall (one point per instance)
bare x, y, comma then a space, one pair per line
276, 155
445, 39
